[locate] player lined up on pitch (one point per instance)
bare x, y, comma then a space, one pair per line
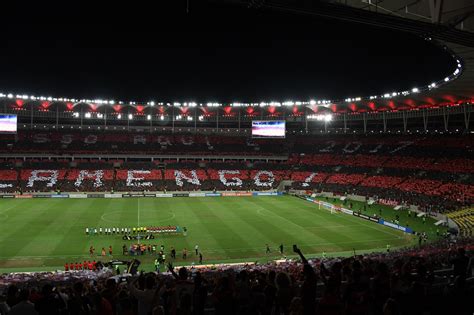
87, 265
169, 229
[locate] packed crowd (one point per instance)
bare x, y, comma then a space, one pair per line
435, 278
433, 172
440, 193
176, 143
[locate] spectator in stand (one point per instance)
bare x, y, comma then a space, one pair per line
78, 303
308, 288
12, 295
184, 289
404, 281
223, 296
199, 294
145, 296
284, 293
461, 264
110, 293
24, 306
50, 302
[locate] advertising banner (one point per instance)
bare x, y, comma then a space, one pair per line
95, 195
180, 195
7, 196
137, 195
212, 194
60, 196
197, 195
27, 196
244, 194
112, 195
366, 217
265, 193
77, 196
229, 194
395, 226
347, 211
41, 196
164, 195
237, 194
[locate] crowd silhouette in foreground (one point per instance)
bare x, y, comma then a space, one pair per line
435, 278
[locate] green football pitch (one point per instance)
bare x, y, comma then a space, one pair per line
43, 234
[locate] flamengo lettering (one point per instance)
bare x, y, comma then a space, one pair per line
40, 176
236, 182
137, 181
96, 175
137, 178
180, 176
268, 182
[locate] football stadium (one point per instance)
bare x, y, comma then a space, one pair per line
332, 204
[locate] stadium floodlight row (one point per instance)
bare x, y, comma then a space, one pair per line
371, 103
444, 105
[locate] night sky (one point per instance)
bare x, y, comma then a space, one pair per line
213, 53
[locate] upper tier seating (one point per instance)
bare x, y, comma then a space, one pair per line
434, 172
429, 147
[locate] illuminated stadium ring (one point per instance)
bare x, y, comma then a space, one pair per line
372, 103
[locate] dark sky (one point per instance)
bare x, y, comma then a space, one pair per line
213, 53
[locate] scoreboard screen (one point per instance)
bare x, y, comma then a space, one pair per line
268, 129
8, 123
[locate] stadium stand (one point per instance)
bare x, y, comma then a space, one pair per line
321, 147
428, 171
416, 280
464, 219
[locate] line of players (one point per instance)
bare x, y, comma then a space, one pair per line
87, 265
115, 230
133, 230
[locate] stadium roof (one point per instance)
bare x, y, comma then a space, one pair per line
449, 28
452, 14
452, 90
